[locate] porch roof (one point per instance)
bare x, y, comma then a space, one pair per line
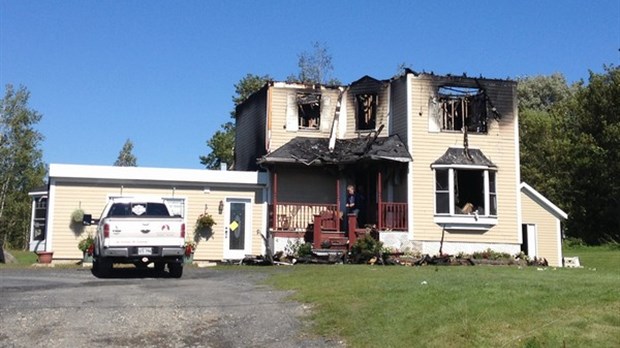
458, 156
315, 151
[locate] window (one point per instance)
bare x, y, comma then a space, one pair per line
460, 107
462, 191
308, 110
366, 111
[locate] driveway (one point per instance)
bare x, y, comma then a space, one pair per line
224, 307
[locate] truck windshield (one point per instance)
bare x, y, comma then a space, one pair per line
138, 210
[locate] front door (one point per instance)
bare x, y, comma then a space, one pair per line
237, 236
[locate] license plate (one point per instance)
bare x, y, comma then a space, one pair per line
145, 251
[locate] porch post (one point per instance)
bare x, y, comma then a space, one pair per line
379, 200
338, 204
274, 211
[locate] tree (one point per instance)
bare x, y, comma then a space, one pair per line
542, 92
591, 122
125, 156
538, 131
222, 143
21, 165
315, 67
570, 138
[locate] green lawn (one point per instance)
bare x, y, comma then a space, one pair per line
464, 306
24, 258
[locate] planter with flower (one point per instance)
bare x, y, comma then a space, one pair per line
204, 227
87, 246
190, 247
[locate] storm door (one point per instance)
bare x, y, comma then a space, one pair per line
237, 236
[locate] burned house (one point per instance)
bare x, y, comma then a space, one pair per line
436, 159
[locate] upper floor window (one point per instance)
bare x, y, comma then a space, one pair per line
366, 111
308, 110
457, 107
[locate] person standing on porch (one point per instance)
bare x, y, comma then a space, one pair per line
352, 204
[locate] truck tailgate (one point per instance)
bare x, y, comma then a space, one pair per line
137, 231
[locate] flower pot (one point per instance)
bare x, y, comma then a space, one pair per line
188, 259
87, 258
45, 256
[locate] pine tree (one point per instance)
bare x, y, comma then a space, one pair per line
125, 156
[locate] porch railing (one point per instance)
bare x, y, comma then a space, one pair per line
296, 216
392, 216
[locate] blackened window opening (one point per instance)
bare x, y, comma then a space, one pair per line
469, 191
309, 110
463, 107
366, 111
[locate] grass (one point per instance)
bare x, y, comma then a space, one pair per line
24, 258
460, 306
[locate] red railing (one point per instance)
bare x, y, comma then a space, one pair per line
392, 216
296, 216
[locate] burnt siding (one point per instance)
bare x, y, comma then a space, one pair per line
498, 145
398, 112
351, 108
250, 132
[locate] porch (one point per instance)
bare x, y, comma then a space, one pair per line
324, 225
309, 179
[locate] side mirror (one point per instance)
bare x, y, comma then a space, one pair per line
87, 219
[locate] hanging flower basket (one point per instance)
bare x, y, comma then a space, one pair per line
77, 216
205, 221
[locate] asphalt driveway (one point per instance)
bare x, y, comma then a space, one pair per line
69, 307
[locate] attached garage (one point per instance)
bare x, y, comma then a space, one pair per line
190, 193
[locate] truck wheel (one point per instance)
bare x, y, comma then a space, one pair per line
159, 266
102, 268
175, 269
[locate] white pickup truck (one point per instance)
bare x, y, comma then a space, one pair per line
138, 231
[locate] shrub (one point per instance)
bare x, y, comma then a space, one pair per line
366, 248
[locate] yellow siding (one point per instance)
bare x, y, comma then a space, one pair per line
547, 238
382, 113
92, 198
279, 134
498, 145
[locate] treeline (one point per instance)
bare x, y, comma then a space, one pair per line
570, 144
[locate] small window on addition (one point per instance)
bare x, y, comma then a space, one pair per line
462, 107
366, 111
309, 110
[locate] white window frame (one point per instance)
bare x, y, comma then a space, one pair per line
480, 221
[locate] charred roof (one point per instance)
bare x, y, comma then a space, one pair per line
315, 151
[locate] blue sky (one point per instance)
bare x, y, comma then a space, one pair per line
162, 73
